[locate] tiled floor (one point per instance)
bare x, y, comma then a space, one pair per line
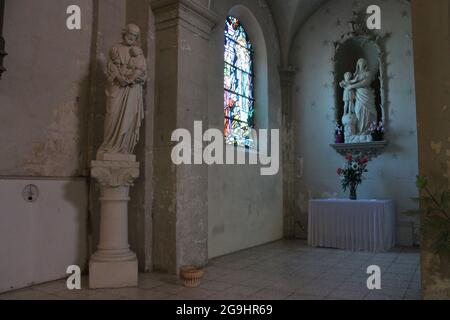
280, 270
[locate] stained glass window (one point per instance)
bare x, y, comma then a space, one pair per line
238, 86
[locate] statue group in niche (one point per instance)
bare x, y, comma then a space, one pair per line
359, 104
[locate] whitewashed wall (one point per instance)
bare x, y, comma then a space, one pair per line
244, 208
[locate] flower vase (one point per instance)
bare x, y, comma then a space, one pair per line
353, 195
377, 136
191, 276
339, 139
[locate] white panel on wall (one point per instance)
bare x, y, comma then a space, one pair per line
40, 239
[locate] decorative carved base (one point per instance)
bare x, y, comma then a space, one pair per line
114, 265
371, 149
358, 139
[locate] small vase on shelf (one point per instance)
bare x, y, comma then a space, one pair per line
339, 139
377, 136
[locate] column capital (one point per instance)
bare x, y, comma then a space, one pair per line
115, 174
187, 13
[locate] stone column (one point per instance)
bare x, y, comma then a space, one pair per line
180, 213
114, 265
287, 79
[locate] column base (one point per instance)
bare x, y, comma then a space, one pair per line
111, 275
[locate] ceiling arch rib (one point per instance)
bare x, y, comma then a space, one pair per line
289, 16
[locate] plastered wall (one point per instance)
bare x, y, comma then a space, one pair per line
244, 208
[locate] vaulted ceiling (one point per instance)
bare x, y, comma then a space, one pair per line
289, 16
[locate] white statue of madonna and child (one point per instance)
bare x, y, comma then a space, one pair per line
359, 104
126, 74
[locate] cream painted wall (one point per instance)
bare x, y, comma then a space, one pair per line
244, 208
392, 175
39, 240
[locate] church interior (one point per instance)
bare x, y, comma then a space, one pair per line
224, 150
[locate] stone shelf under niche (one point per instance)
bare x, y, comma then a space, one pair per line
370, 149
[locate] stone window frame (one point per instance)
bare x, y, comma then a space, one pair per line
260, 67
251, 74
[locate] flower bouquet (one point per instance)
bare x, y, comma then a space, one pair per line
352, 173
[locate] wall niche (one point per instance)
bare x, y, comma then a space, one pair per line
359, 90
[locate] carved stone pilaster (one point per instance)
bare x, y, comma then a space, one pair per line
180, 203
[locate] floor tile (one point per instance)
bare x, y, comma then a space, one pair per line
280, 270
215, 285
269, 294
347, 295
242, 290
29, 294
299, 296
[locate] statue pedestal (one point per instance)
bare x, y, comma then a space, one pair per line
114, 265
104, 156
370, 149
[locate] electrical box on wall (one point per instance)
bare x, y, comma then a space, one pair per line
30, 193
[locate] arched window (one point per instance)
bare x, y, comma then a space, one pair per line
238, 86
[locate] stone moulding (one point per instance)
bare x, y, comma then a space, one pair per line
370, 149
195, 17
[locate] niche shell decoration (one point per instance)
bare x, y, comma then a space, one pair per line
360, 90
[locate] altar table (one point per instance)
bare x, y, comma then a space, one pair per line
362, 225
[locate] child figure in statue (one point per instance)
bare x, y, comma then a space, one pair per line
349, 120
136, 68
349, 94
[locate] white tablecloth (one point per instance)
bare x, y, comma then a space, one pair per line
363, 225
